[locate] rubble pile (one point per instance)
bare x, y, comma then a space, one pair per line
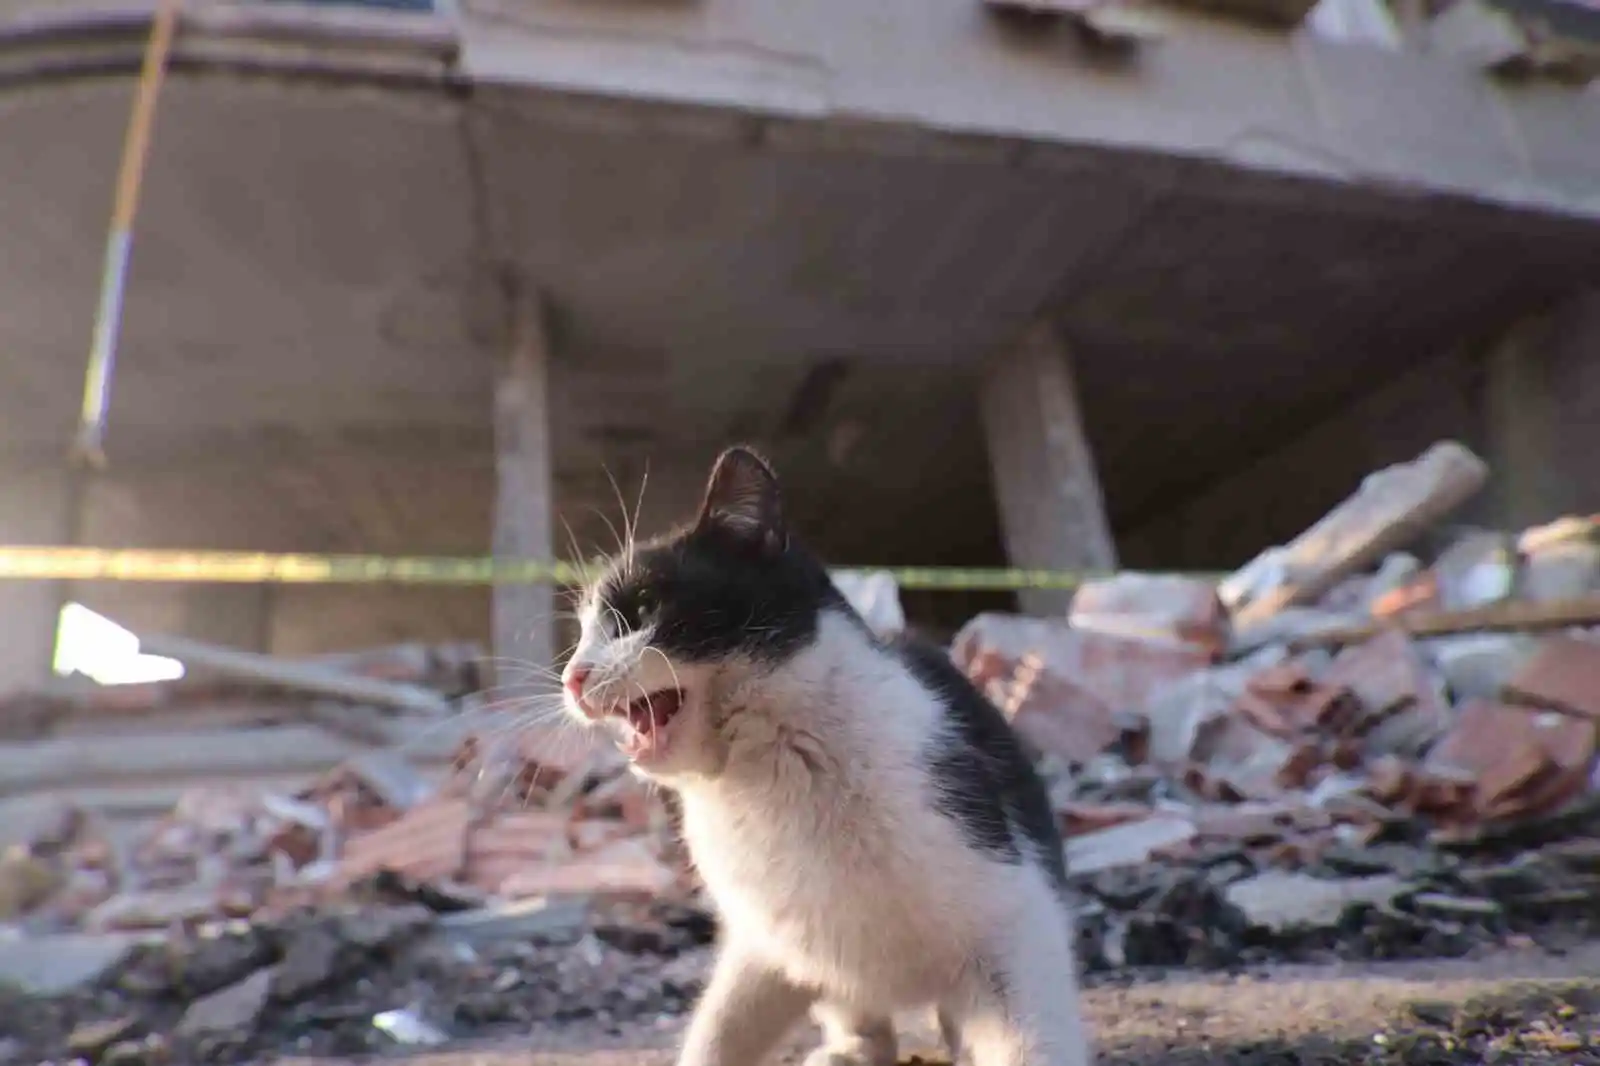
367, 975
507, 822
1343, 749
379, 904
1337, 747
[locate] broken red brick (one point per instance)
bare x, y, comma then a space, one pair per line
1077, 818
1523, 762
509, 842
1286, 702
1057, 716
1564, 674
428, 843
625, 868
1400, 710
300, 844
1121, 672
1419, 594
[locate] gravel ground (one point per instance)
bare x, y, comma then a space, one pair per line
1516, 1008
616, 995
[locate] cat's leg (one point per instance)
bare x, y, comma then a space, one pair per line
853, 1038
950, 1033
1021, 1008
747, 1008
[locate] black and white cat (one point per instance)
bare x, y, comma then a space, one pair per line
865, 821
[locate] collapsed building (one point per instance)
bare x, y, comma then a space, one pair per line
1056, 287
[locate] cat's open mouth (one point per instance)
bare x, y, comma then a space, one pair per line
649, 718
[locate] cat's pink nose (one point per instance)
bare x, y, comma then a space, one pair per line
576, 676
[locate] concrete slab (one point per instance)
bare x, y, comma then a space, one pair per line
1285, 102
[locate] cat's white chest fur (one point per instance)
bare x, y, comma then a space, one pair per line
841, 892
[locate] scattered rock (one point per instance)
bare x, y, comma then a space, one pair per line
91, 1039
314, 957
25, 883
1440, 905
231, 1012
151, 1051
374, 928
527, 919
188, 966
53, 964
154, 910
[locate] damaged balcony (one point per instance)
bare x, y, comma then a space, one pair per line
823, 229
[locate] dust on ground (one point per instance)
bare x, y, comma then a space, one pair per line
1516, 1008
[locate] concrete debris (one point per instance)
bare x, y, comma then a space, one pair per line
304, 677
1478, 666
504, 821
1174, 610
91, 1039
1522, 762
56, 963
1391, 508
1131, 843
876, 597
1320, 755
232, 1011
1067, 688
1349, 730
1283, 902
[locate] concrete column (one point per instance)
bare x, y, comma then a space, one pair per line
523, 515
31, 506
1052, 514
235, 616
1522, 421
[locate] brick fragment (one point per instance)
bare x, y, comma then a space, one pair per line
1523, 762
1068, 688
1153, 607
1564, 674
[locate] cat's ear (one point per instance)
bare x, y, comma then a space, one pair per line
742, 498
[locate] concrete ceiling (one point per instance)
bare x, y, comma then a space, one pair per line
314, 312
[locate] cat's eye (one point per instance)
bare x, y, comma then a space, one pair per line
645, 605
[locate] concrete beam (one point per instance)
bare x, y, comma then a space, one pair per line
1052, 513
1541, 412
1295, 104
1520, 415
523, 517
31, 509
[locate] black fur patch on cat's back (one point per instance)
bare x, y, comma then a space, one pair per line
983, 780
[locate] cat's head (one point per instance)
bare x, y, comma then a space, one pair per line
677, 632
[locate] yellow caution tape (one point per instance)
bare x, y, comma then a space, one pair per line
255, 568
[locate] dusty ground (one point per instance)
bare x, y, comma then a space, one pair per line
1517, 1008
